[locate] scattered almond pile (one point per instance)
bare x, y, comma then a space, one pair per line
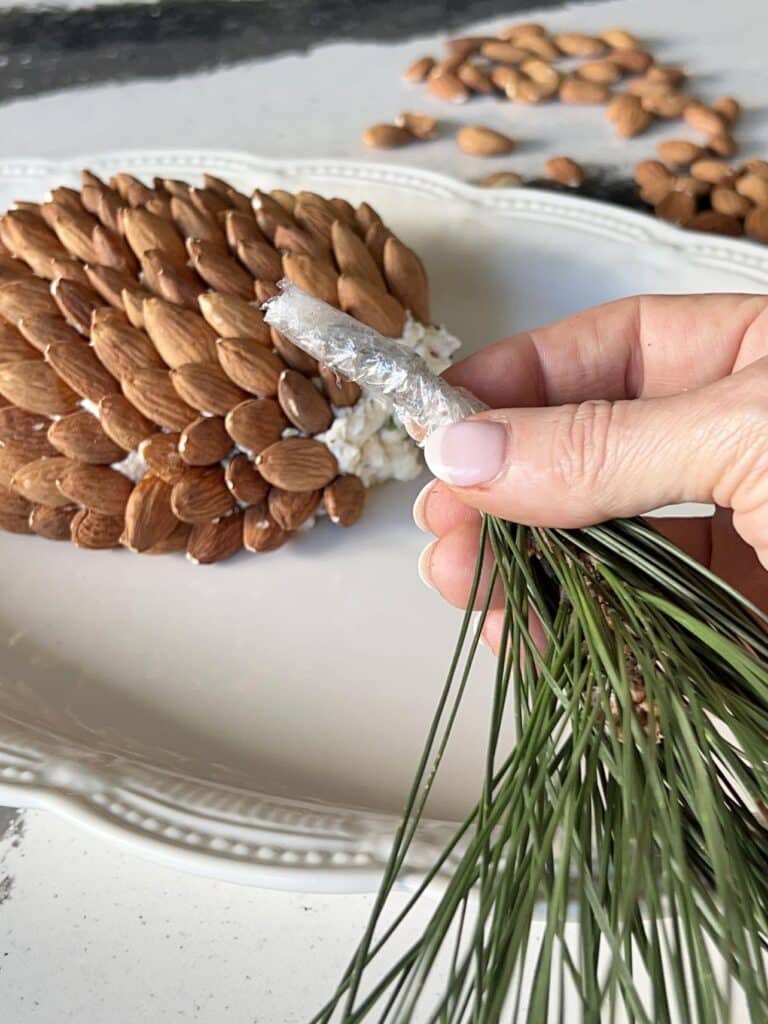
144, 402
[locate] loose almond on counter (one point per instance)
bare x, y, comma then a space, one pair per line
387, 136
565, 170
477, 140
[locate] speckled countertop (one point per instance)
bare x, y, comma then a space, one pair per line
88, 932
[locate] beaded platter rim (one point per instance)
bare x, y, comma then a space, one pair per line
228, 831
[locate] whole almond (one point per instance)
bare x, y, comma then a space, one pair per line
575, 90
71, 270
447, 87
757, 167
666, 104
419, 70
315, 215
76, 303
109, 283
52, 523
144, 230
130, 188
619, 39
36, 481
722, 143
316, 278
13, 347
161, 454
95, 487
503, 52
703, 118
148, 515
750, 185
352, 255
79, 367
502, 179
371, 305
250, 365
11, 460
345, 500
231, 317
477, 140
375, 239
80, 436
407, 280
565, 170
25, 297
297, 464
260, 260
524, 90
677, 208
633, 62
206, 388
260, 531
679, 152
14, 522
256, 423
717, 223
194, 223
521, 30
303, 404
603, 71
42, 331
286, 199
217, 541
245, 482
123, 423
205, 441
577, 44
756, 224
35, 387
202, 496
180, 335
13, 504
111, 250
542, 73
28, 237
728, 201
12, 269
25, 431
211, 200
366, 216
628, 115
508, 79
386, 136
672, 76
341, 392
538, 46
716, 172
133, 304
292, 355
241, 227
475, 79
728, 108
292, 238
292, 509
153, 394
219, 270
121, 348
95, 531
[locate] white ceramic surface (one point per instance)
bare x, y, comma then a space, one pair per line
260, 720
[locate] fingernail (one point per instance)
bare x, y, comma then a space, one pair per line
468, 453
425, 565
419, 507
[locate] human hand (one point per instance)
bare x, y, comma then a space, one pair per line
640, 403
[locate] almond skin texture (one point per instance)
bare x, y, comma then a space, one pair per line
340, 391
123, 423
52, 523
148, 515
206, 388
179, 335
291, 509
345, 500
260, 531
250, 366
95, 531
153, 394
76, 303
297, 464
26, 432
447, 87
302, 403
79, 367
407, 278
244, 480
565, 170
11, 460
80, 436
577, 91
161, 454
679, 152
419, 70
352, 256
204, 442
292, 355
35, 387
477, 140
122, 348
217, 541
201, 497
256, 423
231, 317
37, 481
96, 487
371, 305
316, 278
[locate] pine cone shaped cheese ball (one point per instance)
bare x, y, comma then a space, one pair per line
144, 402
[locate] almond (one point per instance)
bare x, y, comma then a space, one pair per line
419, 70
478, 140
80, 436
11, 460
241, 227
28, 237
12, 269
261, 260
575, 90
202, 496
37, 481
144, 230
177, 540
76, 303
366, 216
52, 523
386, 136
345, 500
206, 388
256, 423
130, 188
297, 464
245, 482
14, 512
214, 542
340, 391
750, 185
302, 403
260, 531
703, 118
95, 531
71, 270
677, 207
372, 306
291, 238
111, 250
407, 280
375, 239
447, 87
603, 71
161, 454
79, 367
292, 509
153, 394
194, 223
649, 172
250, 365
718, 223
96, 487
668, 105
121, 348
231, 317
463, 46
148, 515
133, 304
286, 199
619, 39
421, 126
13, 347
123, 423
671, 76
205, 441
728, 201
728, 108
722, 143
352, 256
42, 331
109, 283
756, 224
316, 278
35, 387
502, 179
503, 52
180, 335
542, 73
26, 297
25, 431
715, 172
211, 200
219, 270
629, 116
523, 30
679, 152
470, 75
538, 45
577, 44
565, 170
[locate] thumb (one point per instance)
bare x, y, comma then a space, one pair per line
575, 465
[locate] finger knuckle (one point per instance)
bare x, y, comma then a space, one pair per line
582, 444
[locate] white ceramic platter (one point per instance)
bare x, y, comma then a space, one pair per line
260, 720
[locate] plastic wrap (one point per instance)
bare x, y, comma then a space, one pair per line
378, 364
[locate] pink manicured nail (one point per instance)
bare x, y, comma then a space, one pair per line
425, 565
419, 507
468, 453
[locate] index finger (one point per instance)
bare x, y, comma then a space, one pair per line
645, 346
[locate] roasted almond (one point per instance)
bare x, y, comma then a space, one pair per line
202, 496
250, 365
297, 464
148, 515
751, 185
79, 367
679, 152
387, 136
42, 331
703, 118
576, 90
447, 87
95, 487
28, 237
292, 355
123, 423
256, 423
371, 305
352, 255
206, 388
716, 222
677, 207
35, 387
345, 500
292, 509
52, 523
303, 404
231, 317
260, 531
153, 394
121, 348
111, 250
76, 303
25, 431
144, 230
95, 531
205, 441
180, 335
418, 71
161, 454
216, 541
130, 188
80, 436
565, 170
26, 297
12, 269
219, 270
340, 391
316, 278
245, 482
477, 140
71, 270
37, 481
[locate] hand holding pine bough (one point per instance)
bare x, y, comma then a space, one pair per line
615, 411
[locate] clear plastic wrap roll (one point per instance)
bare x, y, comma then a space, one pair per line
381, 365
